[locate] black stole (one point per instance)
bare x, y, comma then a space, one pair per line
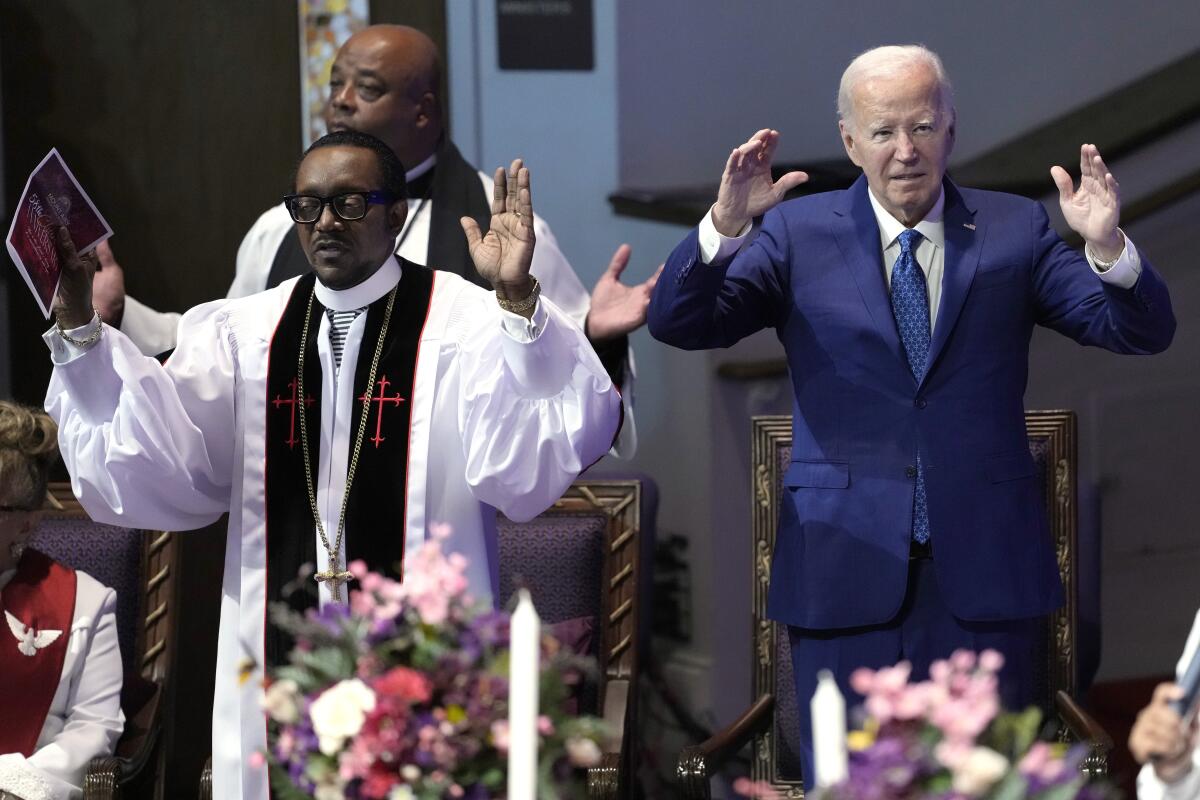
375, 514
453, 186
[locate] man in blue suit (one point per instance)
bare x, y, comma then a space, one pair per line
906, 304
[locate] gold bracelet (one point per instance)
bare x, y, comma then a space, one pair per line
95, 335
521, 306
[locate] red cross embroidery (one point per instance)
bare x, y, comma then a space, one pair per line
280, 402
380, 399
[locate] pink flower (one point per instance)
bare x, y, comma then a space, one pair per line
357, 568
758, 789
500, 735
991, 661
939, 671
862, 680
545, 725
893, 679
404, 684
963, 660
256, 760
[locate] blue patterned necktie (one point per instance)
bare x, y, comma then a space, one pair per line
910, 304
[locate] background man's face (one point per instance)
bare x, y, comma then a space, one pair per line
345, 253
901, 136
369, 91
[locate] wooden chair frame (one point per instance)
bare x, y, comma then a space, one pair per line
137, 750
621, 501
1054, 430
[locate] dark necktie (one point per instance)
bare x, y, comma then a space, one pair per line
910, 304
339, 323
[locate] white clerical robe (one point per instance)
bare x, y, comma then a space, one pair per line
497, 423
85, 719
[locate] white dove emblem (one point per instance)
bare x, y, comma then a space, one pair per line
30, 641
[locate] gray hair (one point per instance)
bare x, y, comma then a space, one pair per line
887, 61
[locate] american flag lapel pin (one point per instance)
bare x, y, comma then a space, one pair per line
969, 226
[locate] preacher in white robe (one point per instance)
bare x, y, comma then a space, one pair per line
505, 413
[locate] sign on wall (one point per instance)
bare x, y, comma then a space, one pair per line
545, 34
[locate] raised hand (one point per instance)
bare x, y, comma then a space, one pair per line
108, 286
746, 187
1159, 735
617, 309
73, 306
1094, 209
503, 255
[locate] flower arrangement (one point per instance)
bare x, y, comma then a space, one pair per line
402, 695
947, 737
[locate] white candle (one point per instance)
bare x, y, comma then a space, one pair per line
524, 653
828, 709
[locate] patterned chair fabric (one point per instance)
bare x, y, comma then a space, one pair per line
111, 555
559, 558
586, 562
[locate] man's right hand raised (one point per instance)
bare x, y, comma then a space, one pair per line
746, 188
73, 306
108, 286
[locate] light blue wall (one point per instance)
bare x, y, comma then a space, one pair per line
698, 76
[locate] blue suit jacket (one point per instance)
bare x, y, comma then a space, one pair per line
815, 273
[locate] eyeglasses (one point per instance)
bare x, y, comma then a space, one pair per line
349, 206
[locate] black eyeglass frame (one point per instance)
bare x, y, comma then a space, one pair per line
376, 197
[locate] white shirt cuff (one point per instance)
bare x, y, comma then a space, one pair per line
1125, 271
64, 352
716, 247
524, 330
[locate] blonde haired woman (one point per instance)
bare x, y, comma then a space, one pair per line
60, 692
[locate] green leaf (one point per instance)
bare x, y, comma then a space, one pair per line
1063, 791
1011, 787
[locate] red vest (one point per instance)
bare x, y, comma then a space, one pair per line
39, 602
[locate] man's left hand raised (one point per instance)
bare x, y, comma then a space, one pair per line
617, 309
504, 254
1094, 209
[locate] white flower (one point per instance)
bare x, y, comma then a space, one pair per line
410, 773
339, 713
583, 752
979, 771
280, 701
401, 793
328, 792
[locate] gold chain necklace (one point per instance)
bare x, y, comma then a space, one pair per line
333, 573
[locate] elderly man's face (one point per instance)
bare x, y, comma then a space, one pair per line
371, 90
345, 253
901, 136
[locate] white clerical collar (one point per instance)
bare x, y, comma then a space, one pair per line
421, 169
932, 227
364, 293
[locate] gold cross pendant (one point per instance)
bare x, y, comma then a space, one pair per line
335, 580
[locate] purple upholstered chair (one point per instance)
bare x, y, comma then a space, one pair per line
586, 562
772, 722
139, 566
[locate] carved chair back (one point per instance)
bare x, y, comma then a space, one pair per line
1052, 442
